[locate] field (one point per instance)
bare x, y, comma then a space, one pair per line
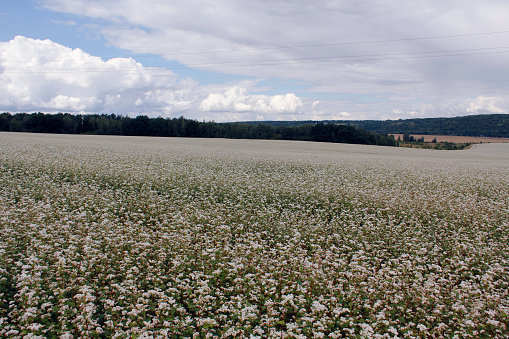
125, 237
456, 139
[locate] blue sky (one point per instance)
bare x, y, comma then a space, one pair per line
255, 60
27, 18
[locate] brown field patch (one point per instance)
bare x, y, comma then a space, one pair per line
456, 139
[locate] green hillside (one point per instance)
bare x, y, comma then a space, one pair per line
488, 125
493, 125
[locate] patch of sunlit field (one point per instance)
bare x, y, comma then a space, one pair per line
135, 237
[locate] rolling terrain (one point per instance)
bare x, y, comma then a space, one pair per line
142, 237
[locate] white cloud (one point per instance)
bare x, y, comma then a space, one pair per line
41, 74
250, 27
362, 58
449, 108
66, 22
484, 105
73, 104
237, 99
237, 37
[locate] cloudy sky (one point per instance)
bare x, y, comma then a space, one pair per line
230, 60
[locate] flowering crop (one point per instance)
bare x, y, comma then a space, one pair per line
125, 237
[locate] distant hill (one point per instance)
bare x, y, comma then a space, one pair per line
374, 132
488, 125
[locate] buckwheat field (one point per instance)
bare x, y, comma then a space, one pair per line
135, 237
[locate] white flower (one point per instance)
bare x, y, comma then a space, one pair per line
319, 307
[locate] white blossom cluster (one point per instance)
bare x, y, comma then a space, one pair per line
124, 237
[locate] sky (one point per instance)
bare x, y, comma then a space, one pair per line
230, 60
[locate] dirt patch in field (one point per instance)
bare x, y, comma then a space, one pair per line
455, 139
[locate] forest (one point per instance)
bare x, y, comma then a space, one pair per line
482, 125
65, 123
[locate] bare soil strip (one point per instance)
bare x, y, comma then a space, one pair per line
456, 139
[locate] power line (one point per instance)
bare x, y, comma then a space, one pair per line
333, 44
338, 58
294, 47
272, 62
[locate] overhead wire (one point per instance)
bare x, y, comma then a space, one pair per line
333, 44
272, 62
294, 46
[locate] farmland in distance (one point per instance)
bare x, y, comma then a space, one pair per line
139, 237
455, 139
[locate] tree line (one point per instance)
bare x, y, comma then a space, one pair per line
486, 125
65, 123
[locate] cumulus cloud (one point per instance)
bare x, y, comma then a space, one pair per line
73, 104
237, 99
374, 59
484, 105
446, 108
41, 74
249, 29
366, 48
